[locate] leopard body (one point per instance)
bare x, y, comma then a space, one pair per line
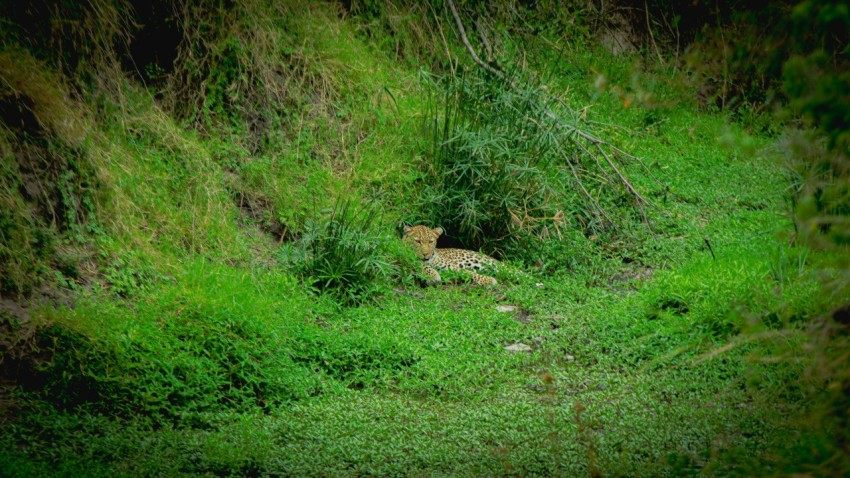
424, 242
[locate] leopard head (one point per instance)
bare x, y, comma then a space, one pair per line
423, 239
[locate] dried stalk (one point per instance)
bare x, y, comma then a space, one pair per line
462, 31
590, 197
483, 37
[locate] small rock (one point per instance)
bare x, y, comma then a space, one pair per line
523, 317
506, 308
569, 358
518, 347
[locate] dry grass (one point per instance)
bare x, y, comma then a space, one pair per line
30, 82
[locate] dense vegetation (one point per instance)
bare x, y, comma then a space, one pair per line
201, 271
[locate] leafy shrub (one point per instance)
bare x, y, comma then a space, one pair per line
217, 340
344, 255
817, 83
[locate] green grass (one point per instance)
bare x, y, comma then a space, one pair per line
345, 255
226, 318
424, 385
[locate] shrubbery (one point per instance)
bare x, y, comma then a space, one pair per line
216, 339
490, 180
346, 255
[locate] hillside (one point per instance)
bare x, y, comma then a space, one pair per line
202, 271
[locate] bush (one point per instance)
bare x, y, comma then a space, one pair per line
218, 339
491, 184
344, 255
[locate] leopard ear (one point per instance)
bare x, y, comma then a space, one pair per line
438, 230
407, 229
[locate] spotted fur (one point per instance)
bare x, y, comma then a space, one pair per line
424, 242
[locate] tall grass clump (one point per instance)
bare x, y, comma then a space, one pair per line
344, 254
492, 181
514, 165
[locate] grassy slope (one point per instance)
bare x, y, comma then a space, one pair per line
621, 379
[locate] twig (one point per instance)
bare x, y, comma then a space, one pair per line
649, 29
443, 37
595, 158
622, 178
487, 47
581, 186
618, 151
710, 249
627, 183
725, 59
675, 33
465, 40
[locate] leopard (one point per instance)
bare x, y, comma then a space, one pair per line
424, 242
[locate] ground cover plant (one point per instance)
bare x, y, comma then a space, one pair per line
201, 270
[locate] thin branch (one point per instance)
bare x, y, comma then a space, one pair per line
595, 158
483, 37
583, 190
710, 249
443, 37
462, 31
597, 141
628, 185
649, 29
622, 178
675, 33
